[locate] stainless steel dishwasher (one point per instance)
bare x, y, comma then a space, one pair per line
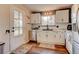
34, 35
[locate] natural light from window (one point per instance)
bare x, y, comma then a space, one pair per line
48, 20
18, 23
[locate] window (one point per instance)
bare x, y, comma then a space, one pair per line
18, 23
48, 20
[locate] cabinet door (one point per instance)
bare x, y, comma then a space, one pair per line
65, 16
51, 37
57, 37
38, 18
35, 18
41, 36
61, 38
58, 16
62, 16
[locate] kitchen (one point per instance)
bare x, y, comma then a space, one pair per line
49, 26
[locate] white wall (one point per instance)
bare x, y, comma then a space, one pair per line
4, 24
74, 13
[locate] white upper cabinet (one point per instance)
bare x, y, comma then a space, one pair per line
62, 16
35, 18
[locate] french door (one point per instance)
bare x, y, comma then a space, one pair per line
16, 28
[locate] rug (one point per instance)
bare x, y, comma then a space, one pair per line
45, 45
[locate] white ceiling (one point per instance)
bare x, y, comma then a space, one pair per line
46, 7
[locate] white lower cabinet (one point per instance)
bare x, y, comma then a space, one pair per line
41, 36
50, 37
61, 38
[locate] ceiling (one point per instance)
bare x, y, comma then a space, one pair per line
46, 7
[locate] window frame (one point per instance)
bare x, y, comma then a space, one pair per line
19, 28
48, 20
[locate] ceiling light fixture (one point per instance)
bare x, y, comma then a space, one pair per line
47, 13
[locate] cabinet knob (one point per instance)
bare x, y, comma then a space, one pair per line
46, 35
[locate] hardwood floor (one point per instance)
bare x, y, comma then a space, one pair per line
40, 50
37, 48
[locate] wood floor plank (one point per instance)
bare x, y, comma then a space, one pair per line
40, 50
